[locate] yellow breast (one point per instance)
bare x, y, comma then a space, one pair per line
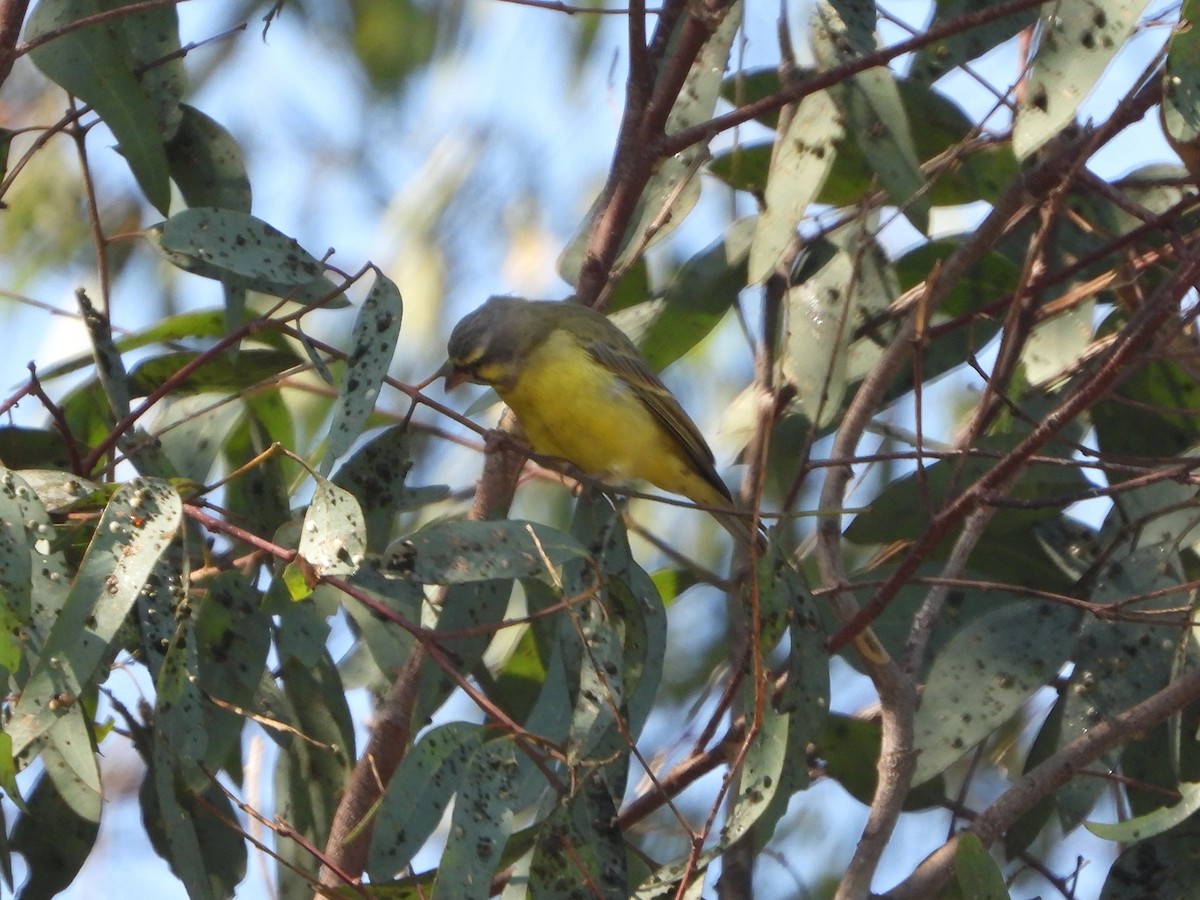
571, 406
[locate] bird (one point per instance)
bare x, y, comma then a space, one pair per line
583, 392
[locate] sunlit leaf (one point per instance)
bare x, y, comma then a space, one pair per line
334, 536
1078, 40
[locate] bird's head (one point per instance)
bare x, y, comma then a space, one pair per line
489, 345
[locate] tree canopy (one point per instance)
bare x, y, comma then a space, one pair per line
349, 624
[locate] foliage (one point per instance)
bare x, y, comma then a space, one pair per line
222, 503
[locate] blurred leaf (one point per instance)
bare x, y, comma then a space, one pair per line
207, 323
206, 163
28, 448
984, 675
632, 288
702, 292
1021, 835
1160, 868
393, 38
1150, 412
849, 747
376, 330
223, 372
977, 873
1180, 109
1078, 40
97, 64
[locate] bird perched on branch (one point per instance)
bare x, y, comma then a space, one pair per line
583, 392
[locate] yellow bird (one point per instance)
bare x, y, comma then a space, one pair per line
583, 392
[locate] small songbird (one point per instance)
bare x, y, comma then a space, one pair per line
583, 392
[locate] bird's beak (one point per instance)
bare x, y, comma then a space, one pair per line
454, 377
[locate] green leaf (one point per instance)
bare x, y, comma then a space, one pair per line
418, 794
233, 637
171, 826
97, 64
62, 807
192, 429
28, 448
799, 166
979, 174
977, 873
153, 37
761, 775
462, 552
1118, 664
490, 794
475, 606
206, 163
206, 323
1151, 824
984, 675
1078, 40
334, 535
136, 529
580, 843
388, 645
243, 252
1149, 413
376, 330
376, 475
312, 772
702, 292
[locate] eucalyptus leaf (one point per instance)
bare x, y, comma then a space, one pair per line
137, 527
461, 552
984, 675
243, 252
376, 330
